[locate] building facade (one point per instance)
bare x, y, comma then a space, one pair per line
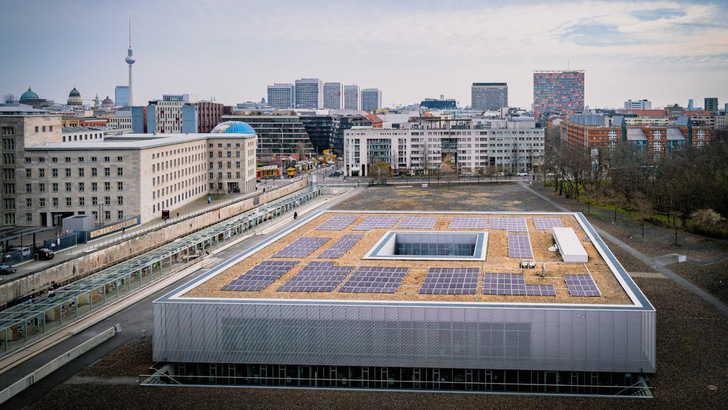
489, 96
460, 147
711, 104
351, 97
557, 91
371, 99
209, 114
321, 130
638, 105
121, 95
48, 177
333, 95
309, 93
281, 96
277, 134
168, 115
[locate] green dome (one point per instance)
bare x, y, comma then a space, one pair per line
28, 95
74, 93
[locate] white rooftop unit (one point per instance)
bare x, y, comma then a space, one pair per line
572, 251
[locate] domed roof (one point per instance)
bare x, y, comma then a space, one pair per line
107, 101
28, 95
233, 127
74, 93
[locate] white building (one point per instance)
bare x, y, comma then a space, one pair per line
447, 146
351, 97
333, 95
371, 99
166, 115
638, 105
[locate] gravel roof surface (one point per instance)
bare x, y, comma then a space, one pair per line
692, 356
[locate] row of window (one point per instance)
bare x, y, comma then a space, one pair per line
28, 160
69, 201
55, 186
81, 172
107, 216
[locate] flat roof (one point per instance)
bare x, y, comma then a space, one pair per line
135, 141
514, 240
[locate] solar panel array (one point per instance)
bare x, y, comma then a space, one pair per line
582, 285
337, 223
513, 284
544, 224
301, 247
316, 277
260, 276
519, 246
340, 247
450, 281
466, 222
418, 222
509, 224
375, 279
373, 222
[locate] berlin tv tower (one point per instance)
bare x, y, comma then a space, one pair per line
130, 60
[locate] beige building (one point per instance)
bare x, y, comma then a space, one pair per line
47, 178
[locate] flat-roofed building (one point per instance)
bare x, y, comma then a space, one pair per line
454, 301
489, 96
281, 96
371, 99
333, 95
558, 91
56, 173
308, 93
454, 147
351, 97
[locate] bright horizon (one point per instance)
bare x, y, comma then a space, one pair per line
663, 51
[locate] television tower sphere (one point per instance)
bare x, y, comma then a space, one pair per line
130, 58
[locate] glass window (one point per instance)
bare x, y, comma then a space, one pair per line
55, 186
68, 202
94, 172
81, 201
107, 200
107, 186
94, 200
120, 186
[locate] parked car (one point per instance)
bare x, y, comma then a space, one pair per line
45, 254
6, 270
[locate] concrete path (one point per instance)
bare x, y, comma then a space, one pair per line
691, 287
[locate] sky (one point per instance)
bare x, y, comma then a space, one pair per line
230, 50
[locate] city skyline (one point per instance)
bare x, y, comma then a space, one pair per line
666, 52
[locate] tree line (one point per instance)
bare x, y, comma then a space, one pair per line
685, 184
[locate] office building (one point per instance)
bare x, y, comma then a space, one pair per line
121, 95
711, 104
173, 114
452, 147
440, 104
209, 114
557, 92
333, 96
371, 99
403, 300
489, 96
638, 105
308, 92
281, 96
59, 173
351, 97
277, 134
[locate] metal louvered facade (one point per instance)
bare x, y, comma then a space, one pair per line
436, 335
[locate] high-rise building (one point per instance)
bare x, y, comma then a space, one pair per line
308, 93
558, 91
333, 93
277, 134
130, 60
711, 104
209, 114
351, 97
121, 95
172, 114
489, 96
281, 96
638, 105
371, 99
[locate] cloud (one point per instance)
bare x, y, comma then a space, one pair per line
596, 35
658, 14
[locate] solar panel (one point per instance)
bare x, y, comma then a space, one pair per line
582, 285
544, 224
450, 281
373, 222
519, 246
465, 222
417, 222
260, 276
513, 284
509, 224
316, 277
301, 247
375, 279
337, 223
340, 247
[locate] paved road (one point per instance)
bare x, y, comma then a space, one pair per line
722, 307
